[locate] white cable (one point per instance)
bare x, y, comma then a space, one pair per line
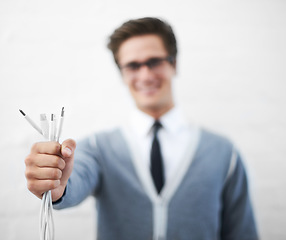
46, 213
60, 125
44, 125
46, 218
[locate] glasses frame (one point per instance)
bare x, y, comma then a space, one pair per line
151, 63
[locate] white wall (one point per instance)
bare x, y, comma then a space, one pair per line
231, 79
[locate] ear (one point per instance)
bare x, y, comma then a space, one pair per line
175, 66
174, 63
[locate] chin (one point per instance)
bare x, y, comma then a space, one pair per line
148, 103
150, 107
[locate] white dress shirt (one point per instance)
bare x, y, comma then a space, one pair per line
173, 138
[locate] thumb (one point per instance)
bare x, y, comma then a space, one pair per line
68, 147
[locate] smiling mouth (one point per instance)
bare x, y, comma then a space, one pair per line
148, 90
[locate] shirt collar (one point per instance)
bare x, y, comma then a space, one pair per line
172, 121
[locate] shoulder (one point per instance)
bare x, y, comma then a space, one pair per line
217, 148
210, 139
223, 148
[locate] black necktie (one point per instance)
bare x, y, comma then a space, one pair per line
156, 159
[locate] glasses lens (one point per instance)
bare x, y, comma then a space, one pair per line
154, 62
133, 66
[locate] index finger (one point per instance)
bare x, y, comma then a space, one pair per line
52, 148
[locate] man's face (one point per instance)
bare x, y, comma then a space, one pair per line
150, 84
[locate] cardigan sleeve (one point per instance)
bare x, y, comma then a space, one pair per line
86, 175
238, 221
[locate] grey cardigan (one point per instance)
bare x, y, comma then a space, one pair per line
207, 200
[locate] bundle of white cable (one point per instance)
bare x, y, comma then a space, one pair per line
46, 218
51, 132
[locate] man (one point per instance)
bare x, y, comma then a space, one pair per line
157, 177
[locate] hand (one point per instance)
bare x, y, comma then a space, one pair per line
49, 166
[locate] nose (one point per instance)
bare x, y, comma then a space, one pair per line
145, 73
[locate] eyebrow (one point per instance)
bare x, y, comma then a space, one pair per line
140, 62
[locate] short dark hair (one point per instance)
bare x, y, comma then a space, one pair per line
143, 26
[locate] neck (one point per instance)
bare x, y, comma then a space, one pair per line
157, 113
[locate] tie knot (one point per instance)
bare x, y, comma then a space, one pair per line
156, 126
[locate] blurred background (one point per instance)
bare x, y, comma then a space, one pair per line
231, 80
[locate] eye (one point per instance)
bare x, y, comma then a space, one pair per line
133, 66
154, 62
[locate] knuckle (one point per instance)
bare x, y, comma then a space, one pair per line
31, 186
28, 173
34, 147
29, 160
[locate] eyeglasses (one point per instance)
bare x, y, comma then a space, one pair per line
154, 63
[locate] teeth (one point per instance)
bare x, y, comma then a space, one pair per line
148, 89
